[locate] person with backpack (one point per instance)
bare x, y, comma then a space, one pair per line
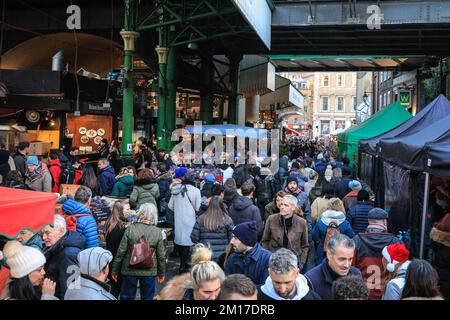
266, 186
320, 204
79, 218
141, 259
185, 203
331, 223
55, 168
369, 251
145, 190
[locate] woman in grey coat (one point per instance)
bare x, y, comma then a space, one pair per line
184, 202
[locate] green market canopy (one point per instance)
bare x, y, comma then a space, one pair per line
383, 121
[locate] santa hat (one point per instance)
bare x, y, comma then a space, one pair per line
395, 253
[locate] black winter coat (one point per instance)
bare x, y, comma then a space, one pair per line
216, 240
243, 210
60, 257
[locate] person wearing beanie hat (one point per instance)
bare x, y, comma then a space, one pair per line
369, 247
396, 261
180, 172
94, 269
248, 256
37, 175
302, 199
26, 266
351, 198
210, 180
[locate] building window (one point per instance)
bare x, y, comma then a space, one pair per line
325, 127
324, 103
303, 85
325, 81
340, 124
340, 104
354, 103
339, 80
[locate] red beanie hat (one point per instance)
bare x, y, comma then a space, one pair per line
395, 253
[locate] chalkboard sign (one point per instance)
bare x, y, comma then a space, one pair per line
100, 213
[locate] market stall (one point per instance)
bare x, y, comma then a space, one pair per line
24, 209
381, 122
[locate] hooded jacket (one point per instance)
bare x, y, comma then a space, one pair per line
60, 257
86, 224
267, 291
319, 231
107, 178
243, 210
368, 256
185, 203
144, 191
90, 289
395, 287
123, 186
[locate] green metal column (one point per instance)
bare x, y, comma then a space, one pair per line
235, 59
129, 36
171, 100
162, 91
206, 95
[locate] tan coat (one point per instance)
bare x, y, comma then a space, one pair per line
272, 238
319, 206
175, 288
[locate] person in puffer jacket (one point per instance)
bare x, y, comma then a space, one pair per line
86, 224
319, 231
214, 228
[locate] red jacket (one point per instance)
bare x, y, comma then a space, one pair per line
54, 166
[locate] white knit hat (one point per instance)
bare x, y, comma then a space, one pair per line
22, 260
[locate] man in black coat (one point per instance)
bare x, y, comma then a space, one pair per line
338, 264
285, 281
62, 248
243, 208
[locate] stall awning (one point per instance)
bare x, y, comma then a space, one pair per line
229, 130
381, 122
292, 131
408, 150
285, 93
24, 209
436, 110
437, 156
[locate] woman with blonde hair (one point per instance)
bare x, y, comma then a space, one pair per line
203, 282
143, 230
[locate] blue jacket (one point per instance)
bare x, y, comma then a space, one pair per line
319, 233
358, 216
60, 257
86, 225
254, 264
320, 279
107, 178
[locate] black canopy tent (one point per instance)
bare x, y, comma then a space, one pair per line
437, 156
371, 168
411, 151
435, 110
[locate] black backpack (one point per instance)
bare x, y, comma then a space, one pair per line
63, 177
